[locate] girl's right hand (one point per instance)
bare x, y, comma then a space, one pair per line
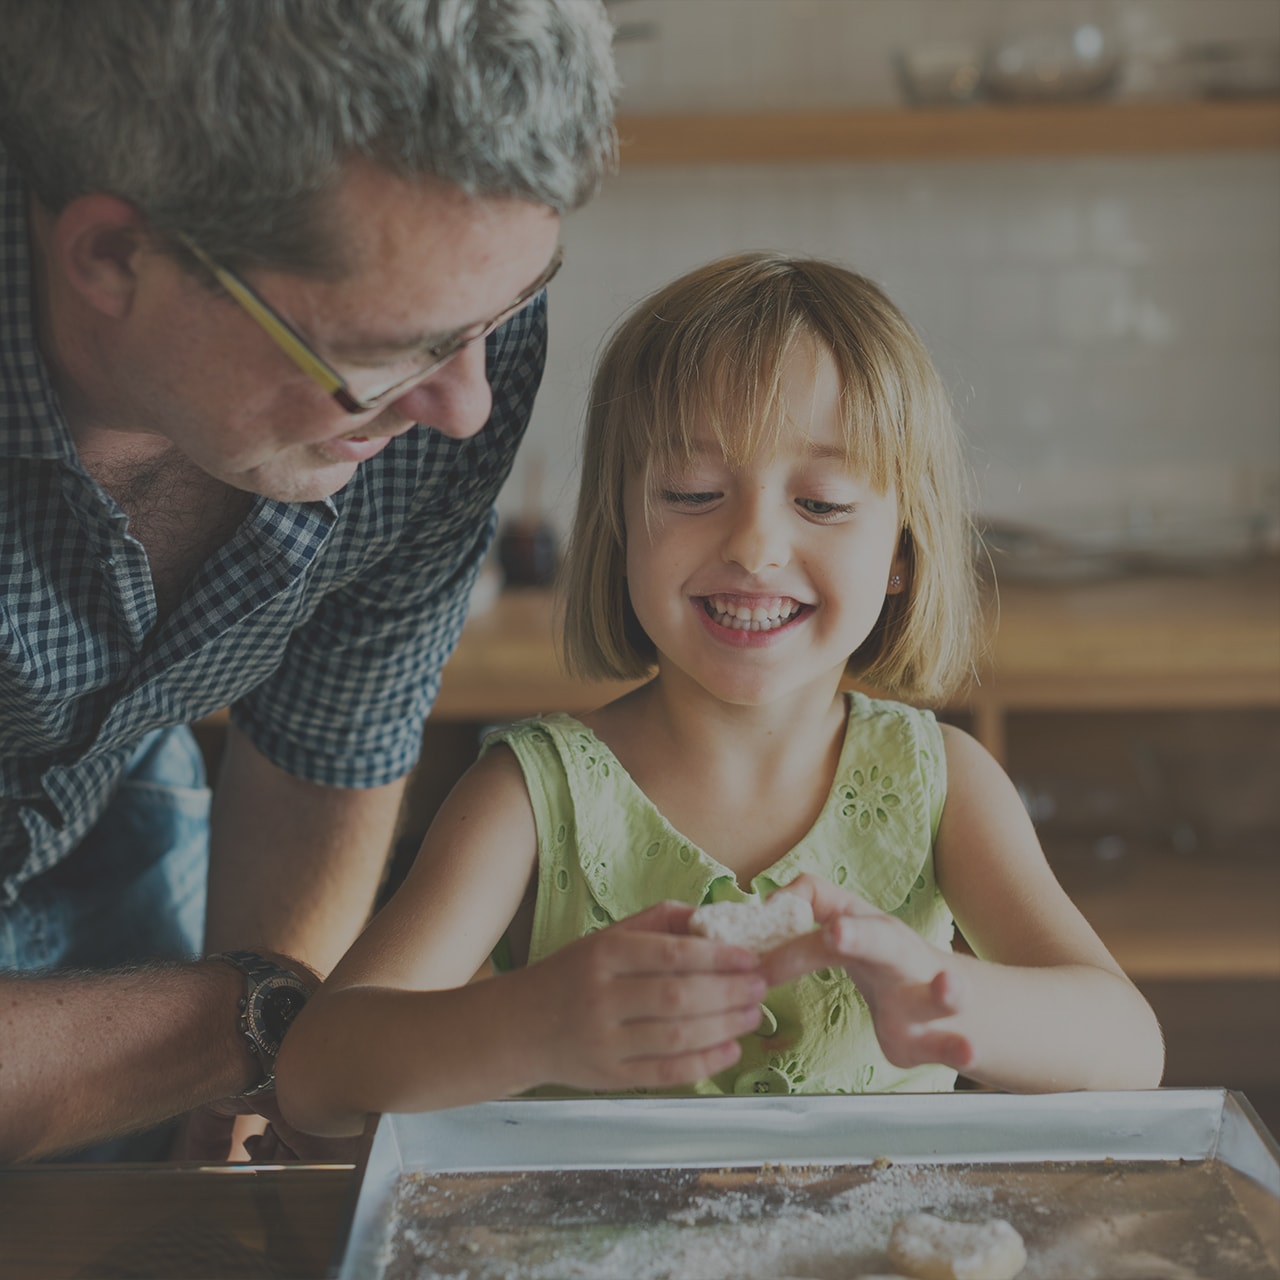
642, 1005
915, 992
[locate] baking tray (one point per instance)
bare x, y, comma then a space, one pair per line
1170, 1184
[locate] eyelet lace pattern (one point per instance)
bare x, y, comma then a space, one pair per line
605, 852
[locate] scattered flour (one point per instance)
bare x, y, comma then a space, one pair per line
1160, 1221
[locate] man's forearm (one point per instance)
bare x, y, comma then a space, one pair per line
85, 1057
293, 866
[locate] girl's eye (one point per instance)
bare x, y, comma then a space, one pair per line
678, 498
827, 510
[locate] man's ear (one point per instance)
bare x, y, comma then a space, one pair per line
96, 241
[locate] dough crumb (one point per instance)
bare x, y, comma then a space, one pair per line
929, 1248
759, 926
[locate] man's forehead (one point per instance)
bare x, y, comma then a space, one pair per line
376, 212
422, 262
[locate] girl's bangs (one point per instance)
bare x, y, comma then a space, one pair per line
731, 391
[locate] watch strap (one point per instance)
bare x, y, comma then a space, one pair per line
258, 970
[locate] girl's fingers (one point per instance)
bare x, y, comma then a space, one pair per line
915, 1049
646, 998
828, 900
957, 1051
648, 1072
662, 917
947, 992
873, 948
676, 1038
801, 955
880, 948
949, 1048
655, 941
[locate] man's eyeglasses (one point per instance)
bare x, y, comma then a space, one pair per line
321, 372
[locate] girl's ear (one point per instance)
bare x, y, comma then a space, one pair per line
900, 567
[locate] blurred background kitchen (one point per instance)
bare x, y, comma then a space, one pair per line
1078, 204
1109, 325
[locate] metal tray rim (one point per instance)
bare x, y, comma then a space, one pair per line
970, 1127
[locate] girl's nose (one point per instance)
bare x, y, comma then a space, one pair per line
456, 400
755, 538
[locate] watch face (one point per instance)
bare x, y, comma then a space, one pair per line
275, 1005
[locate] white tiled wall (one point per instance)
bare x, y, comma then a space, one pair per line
1110, 328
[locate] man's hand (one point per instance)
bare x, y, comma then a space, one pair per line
640, 1004
218, 1133
242, 1128
913, 989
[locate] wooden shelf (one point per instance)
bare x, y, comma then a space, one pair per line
1159, 642
1132, 643
969, 132
1175, 918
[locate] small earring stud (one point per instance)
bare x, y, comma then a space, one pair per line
896, 581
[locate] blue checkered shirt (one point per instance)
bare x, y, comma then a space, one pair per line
324, 625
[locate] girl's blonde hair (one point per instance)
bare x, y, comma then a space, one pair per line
707, 352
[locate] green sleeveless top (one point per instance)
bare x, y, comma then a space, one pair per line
605, 852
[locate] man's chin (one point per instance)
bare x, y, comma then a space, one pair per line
301, 484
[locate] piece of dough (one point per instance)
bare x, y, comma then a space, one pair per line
929, 1248
761, 926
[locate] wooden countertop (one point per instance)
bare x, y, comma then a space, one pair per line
1159, 642
1184, 640
179, 1222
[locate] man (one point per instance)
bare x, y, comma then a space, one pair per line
245, 246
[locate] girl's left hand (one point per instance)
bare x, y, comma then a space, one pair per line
914, 990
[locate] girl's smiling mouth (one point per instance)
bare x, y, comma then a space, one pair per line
751, 613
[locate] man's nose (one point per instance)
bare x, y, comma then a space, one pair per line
456, 400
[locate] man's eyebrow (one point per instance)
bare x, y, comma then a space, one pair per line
414, 344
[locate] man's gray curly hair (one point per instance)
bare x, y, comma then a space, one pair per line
229, 120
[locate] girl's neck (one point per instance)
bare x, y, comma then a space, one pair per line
743, 783
690, 719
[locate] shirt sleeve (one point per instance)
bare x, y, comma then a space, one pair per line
346, 706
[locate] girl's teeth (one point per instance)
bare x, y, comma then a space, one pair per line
748, 618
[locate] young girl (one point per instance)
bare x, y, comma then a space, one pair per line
771, 502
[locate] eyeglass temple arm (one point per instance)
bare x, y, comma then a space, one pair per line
284, 337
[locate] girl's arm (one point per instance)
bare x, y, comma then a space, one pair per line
1043, 1007
1048, 1007
399, 1026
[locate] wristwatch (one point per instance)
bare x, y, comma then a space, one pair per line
272, 999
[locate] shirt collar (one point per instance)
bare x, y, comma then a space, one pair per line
32, 424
